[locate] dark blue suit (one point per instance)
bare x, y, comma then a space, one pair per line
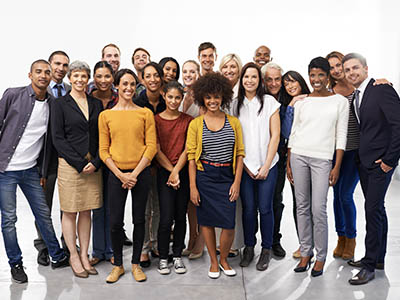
379, 139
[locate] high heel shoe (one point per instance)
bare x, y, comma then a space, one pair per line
83, 274
299, 269
315, 273
91, 271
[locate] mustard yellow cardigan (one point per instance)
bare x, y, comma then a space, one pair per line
194, 140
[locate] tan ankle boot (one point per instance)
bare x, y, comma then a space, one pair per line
338, 252
348, 252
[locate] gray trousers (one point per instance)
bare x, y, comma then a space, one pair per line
311, 181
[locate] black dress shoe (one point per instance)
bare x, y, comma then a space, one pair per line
363, 277
127, 241
145, 263
300, 269
63, 262
263, 261
278, 250
43, 257
248, 255
358, 264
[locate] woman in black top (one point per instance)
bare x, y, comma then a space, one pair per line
76, 138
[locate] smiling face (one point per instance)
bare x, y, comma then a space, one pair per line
250, 80
190, 73
213, 102
170, 69
292, 86
40, 76
262, 56
230, 70
103, 79
273, 81
112, 56
318, 79
336, 68
79, 80
207, 59
141, 59
151, 79
126, 87
173, 99
355, 72
59, 67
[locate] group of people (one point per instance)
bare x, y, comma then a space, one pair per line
217, 148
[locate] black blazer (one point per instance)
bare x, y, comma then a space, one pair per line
74, 136
379, 125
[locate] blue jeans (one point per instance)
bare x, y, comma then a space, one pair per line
102, 247
343, 201
258, 194
29, 182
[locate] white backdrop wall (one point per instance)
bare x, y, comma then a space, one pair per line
295, 30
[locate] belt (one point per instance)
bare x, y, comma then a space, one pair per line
216, 164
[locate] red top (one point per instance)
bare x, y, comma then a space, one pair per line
171, 135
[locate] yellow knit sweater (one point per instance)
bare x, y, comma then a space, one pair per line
126, 136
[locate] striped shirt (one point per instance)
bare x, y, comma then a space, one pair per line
218, 145
353, 132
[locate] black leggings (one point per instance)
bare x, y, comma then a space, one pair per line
117, 199
173, 207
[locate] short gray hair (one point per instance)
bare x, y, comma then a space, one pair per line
270, 65
78, 65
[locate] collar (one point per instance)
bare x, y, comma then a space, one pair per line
363, 85
31, 93
53, 84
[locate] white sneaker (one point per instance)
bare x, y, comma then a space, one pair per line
163, 267
179, 267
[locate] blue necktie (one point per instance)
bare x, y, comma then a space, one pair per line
357, 104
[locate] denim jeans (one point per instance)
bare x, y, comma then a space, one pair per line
343, 201
102, 247
264, 189
29, 182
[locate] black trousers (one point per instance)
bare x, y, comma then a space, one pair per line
173, 207
374, 184
117, 199
278, 199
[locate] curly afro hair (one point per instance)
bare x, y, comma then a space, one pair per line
213, 84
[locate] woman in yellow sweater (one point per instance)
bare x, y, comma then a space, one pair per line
127, 146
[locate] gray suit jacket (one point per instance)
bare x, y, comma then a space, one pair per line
67, 88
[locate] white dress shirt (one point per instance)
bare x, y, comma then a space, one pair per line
256, 131
361, 88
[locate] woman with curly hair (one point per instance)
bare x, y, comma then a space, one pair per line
215, 154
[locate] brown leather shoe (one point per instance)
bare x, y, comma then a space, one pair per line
83, 274
338, 252
138, 273
115, 274
95, 260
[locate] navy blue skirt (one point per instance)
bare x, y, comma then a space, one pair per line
215, 209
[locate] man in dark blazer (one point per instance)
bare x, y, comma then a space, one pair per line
377, 109
59, 62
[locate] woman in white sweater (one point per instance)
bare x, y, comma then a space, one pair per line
319, 131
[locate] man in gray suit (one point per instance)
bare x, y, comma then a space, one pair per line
59, 62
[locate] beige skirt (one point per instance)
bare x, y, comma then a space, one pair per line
78, 192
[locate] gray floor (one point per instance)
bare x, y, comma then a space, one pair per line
278, 282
